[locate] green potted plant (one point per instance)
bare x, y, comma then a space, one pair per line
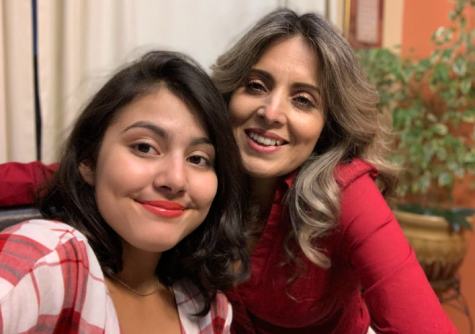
432, 104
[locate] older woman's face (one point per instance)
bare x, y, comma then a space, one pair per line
276, 114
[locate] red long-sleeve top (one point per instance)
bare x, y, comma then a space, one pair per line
19, 182
374, 277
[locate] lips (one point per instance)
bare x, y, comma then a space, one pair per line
164, 209
265, 138
256, 143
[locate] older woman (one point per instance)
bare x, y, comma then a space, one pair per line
328, 255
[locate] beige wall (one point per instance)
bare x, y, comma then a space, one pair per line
393, 20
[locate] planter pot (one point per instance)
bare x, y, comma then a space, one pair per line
439, 249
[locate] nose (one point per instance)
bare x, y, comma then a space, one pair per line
274, 109
171, 176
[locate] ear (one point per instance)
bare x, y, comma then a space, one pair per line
87, 173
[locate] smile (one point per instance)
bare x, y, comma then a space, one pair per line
164, 209
264, 140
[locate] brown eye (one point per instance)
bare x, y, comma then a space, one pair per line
198, 160
144, 148
303, 102
255, 86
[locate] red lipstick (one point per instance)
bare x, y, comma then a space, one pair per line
164, 209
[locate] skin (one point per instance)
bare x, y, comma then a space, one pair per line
280, 98
146, 156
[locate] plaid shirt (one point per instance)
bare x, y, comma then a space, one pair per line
51, 282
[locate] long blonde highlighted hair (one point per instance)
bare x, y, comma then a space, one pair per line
353, 126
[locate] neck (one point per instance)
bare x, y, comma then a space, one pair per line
138, 266
263, 191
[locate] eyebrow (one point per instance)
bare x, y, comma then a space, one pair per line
201, 140
149, 126
269, 76
160, 132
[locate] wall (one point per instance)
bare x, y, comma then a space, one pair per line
421, 18
393, 19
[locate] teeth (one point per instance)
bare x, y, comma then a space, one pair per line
264, 141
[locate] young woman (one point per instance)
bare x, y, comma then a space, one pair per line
144, 220
328, 255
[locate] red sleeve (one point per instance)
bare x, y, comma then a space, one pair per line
395, 289
19, 181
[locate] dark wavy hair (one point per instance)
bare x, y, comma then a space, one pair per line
207, 255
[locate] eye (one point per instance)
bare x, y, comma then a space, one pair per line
255, 86
199, 160
144, 148
303, 101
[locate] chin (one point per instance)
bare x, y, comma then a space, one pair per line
260, 170
261, 174
156, 247
159, 249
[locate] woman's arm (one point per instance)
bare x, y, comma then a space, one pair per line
19, 182
395, 288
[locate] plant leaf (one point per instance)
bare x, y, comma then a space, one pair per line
440, 129
468, 115
466, 85
457, 218
459, 67
445, 179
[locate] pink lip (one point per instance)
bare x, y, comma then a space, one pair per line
256, 147
164, 209
266, 134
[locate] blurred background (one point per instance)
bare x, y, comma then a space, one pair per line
77, 44
54, 54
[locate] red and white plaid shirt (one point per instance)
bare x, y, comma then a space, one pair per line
51, 282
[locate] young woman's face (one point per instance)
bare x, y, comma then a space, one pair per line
155, 178
276, 114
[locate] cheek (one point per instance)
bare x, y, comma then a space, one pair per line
232, 105
122, 167
108, 191
204, 190
313, 139
309, 132
233, 119
117, 178
238, 109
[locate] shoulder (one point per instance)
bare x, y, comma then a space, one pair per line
190, 301
24, 246
362, 204
44, 234
42, 225
50, 267
347, 173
